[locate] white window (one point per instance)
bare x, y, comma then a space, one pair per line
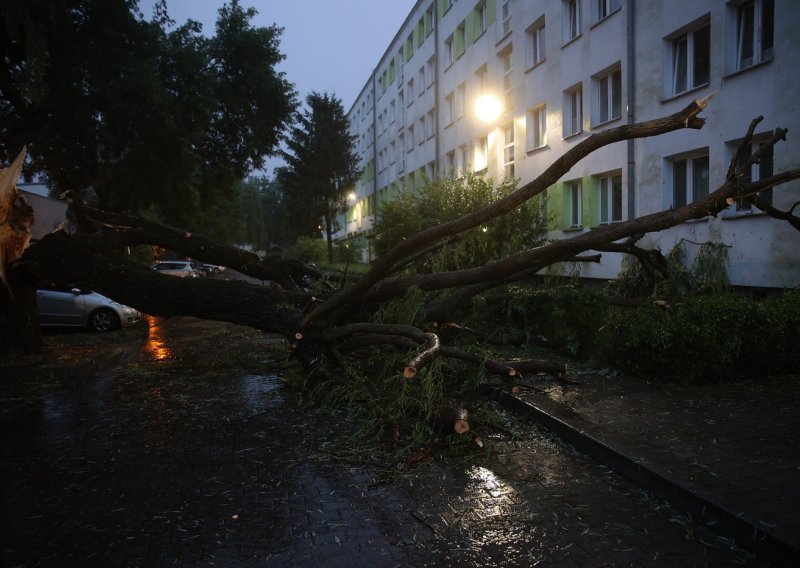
762, 169
450, 162
481, 9
421, 80
690, 63
536, 127
401, 146
410, 90
689, 179
481, 153
429, 20
460, 40
608, 96
430, 72
534, 43
480, 74
392, 111
507, 77
463, 159
461, 99
573, 111
505, 16
430, 124
574, 203
609, 190
410, 138
449, 108
449, 50
755, 32
421, 130
508, 151
392, 152
603, 9
571, 19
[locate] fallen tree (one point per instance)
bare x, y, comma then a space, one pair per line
331, 330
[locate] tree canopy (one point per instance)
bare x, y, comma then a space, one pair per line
137, 113
321, 164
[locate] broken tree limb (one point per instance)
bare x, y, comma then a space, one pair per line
453, 418
686, 118
16, 216
423, 358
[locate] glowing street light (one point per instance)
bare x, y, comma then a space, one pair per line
352, 197
488, 108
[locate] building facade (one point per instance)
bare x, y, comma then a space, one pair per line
564, 69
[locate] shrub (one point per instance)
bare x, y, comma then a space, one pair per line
310, 250
704, 338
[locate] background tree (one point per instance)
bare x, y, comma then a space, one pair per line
321, 164
140, 116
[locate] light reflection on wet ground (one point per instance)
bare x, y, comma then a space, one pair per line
156, 345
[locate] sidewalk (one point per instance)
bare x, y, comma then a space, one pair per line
188, 454
734, 446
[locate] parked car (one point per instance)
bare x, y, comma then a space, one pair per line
73, 307
182, 268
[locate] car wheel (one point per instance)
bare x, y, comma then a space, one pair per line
103, 320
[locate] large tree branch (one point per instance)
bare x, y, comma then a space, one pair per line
687, 118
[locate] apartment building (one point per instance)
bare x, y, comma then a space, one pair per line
564, 69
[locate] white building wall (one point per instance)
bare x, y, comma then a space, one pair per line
762, 251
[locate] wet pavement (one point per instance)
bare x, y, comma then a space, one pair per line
201, 460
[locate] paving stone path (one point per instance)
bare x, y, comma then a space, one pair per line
141, 468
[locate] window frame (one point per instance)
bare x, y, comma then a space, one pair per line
677, 80
573, 104
603, 92
509, 137
481, 153
536, 127
574, 191
689, 175
571, 20
535, 43
606, 185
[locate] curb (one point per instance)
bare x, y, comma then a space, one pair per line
748, 532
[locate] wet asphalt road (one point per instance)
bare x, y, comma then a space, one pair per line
164, 465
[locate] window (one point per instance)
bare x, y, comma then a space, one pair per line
449, 50
755, 32
507, 78
505, 16
610, 198
573, 111
421, 130
481, 76
508, 151
608, 96
430, 68
421, 80
429, 21
534, 43
463, 161
401, 146
481, 153
392, 152
447, 5
392, 111
571, 20
481, 10
536, 127
690, 65
401, 107
410, 138
450, 162
461, 99
430, 124
449, 108
574, 203
689, 179
410, 89
758, 171
603, 8
460, 39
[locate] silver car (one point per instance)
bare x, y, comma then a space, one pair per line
74, 307
182, 268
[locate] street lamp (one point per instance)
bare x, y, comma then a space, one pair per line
351, 197
488, 108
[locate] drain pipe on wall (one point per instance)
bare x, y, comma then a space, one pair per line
631, 21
